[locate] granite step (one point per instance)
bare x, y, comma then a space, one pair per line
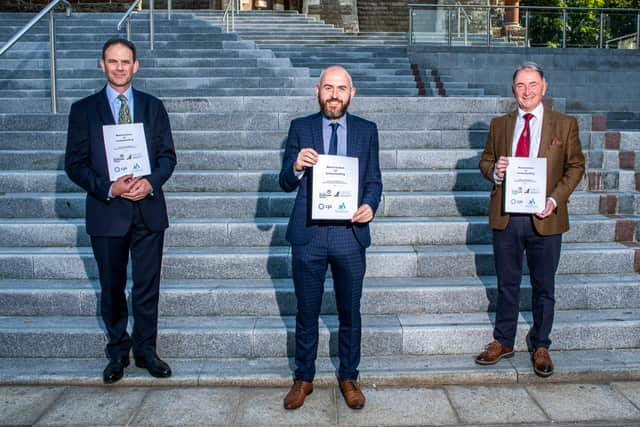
248, 180
588, 366
270, 232
275, 262
276, 297
276, 204
272, 336
250, 139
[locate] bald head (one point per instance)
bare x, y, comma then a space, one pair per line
334, 91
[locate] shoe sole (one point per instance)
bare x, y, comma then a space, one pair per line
499, 358
542, 374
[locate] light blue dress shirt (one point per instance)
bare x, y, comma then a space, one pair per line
115, 103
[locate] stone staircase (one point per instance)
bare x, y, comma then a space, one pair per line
378, 61
227, 305
190, 58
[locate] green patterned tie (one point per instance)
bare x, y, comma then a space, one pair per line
124, 116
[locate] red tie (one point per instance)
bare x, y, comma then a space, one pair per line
522, 149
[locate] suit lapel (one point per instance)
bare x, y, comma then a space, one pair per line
351, 142
510, 129
316, 130
546, 135
139, 107
104, 110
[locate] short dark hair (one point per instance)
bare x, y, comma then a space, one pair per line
118, 40
528, 66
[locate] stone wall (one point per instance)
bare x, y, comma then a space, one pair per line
341, 13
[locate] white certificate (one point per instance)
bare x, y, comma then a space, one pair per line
126, 149
335, 188
525, 185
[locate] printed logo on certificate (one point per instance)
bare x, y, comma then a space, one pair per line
525, 185
126, 150
335, 188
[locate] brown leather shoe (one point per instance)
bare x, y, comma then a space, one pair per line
353, 396
493, 352
299, 390
542, 364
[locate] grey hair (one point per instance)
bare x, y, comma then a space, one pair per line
529, 65
336, 66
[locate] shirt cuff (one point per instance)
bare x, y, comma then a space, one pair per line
555, 204
299, 174
496, 178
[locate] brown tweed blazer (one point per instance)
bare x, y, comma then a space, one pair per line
560, 144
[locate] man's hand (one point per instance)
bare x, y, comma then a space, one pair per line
501, 166
363, 215
122, 185
547, 210
307, 157
138, 191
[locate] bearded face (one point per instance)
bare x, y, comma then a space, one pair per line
334, 92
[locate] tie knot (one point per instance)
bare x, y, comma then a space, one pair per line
122, 98
334, 125
527, 117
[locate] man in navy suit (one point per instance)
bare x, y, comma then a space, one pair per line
127, 215
316, 245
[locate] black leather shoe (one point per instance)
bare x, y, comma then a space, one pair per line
156, 367
114, 370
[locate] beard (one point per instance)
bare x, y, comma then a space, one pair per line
335, 114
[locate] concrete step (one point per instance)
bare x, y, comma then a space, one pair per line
263, 232
276, 297
274, 262
277, 204
589, 366
190, 93
259, 337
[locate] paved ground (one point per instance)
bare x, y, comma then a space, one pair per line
560, 404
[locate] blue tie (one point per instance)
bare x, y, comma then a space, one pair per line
333, 142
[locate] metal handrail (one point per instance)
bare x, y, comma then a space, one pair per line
127, 19
564, 10
467, 20
233, 8
52, 43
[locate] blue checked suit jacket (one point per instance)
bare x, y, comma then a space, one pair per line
362, 142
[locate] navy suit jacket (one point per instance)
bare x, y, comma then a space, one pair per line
362, 142
86, 163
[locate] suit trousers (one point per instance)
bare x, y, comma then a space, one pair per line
543, 256
335, 246
112, 254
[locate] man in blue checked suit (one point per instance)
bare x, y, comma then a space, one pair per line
127, 215
341, 245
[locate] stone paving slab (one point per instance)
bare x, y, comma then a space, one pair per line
562, 405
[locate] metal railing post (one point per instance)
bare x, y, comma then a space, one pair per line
564, 28
169, 10
449, 25
489, 27
52, 61
601, 41
129, 29
526, 28
150, 24
638, 31
410, 25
